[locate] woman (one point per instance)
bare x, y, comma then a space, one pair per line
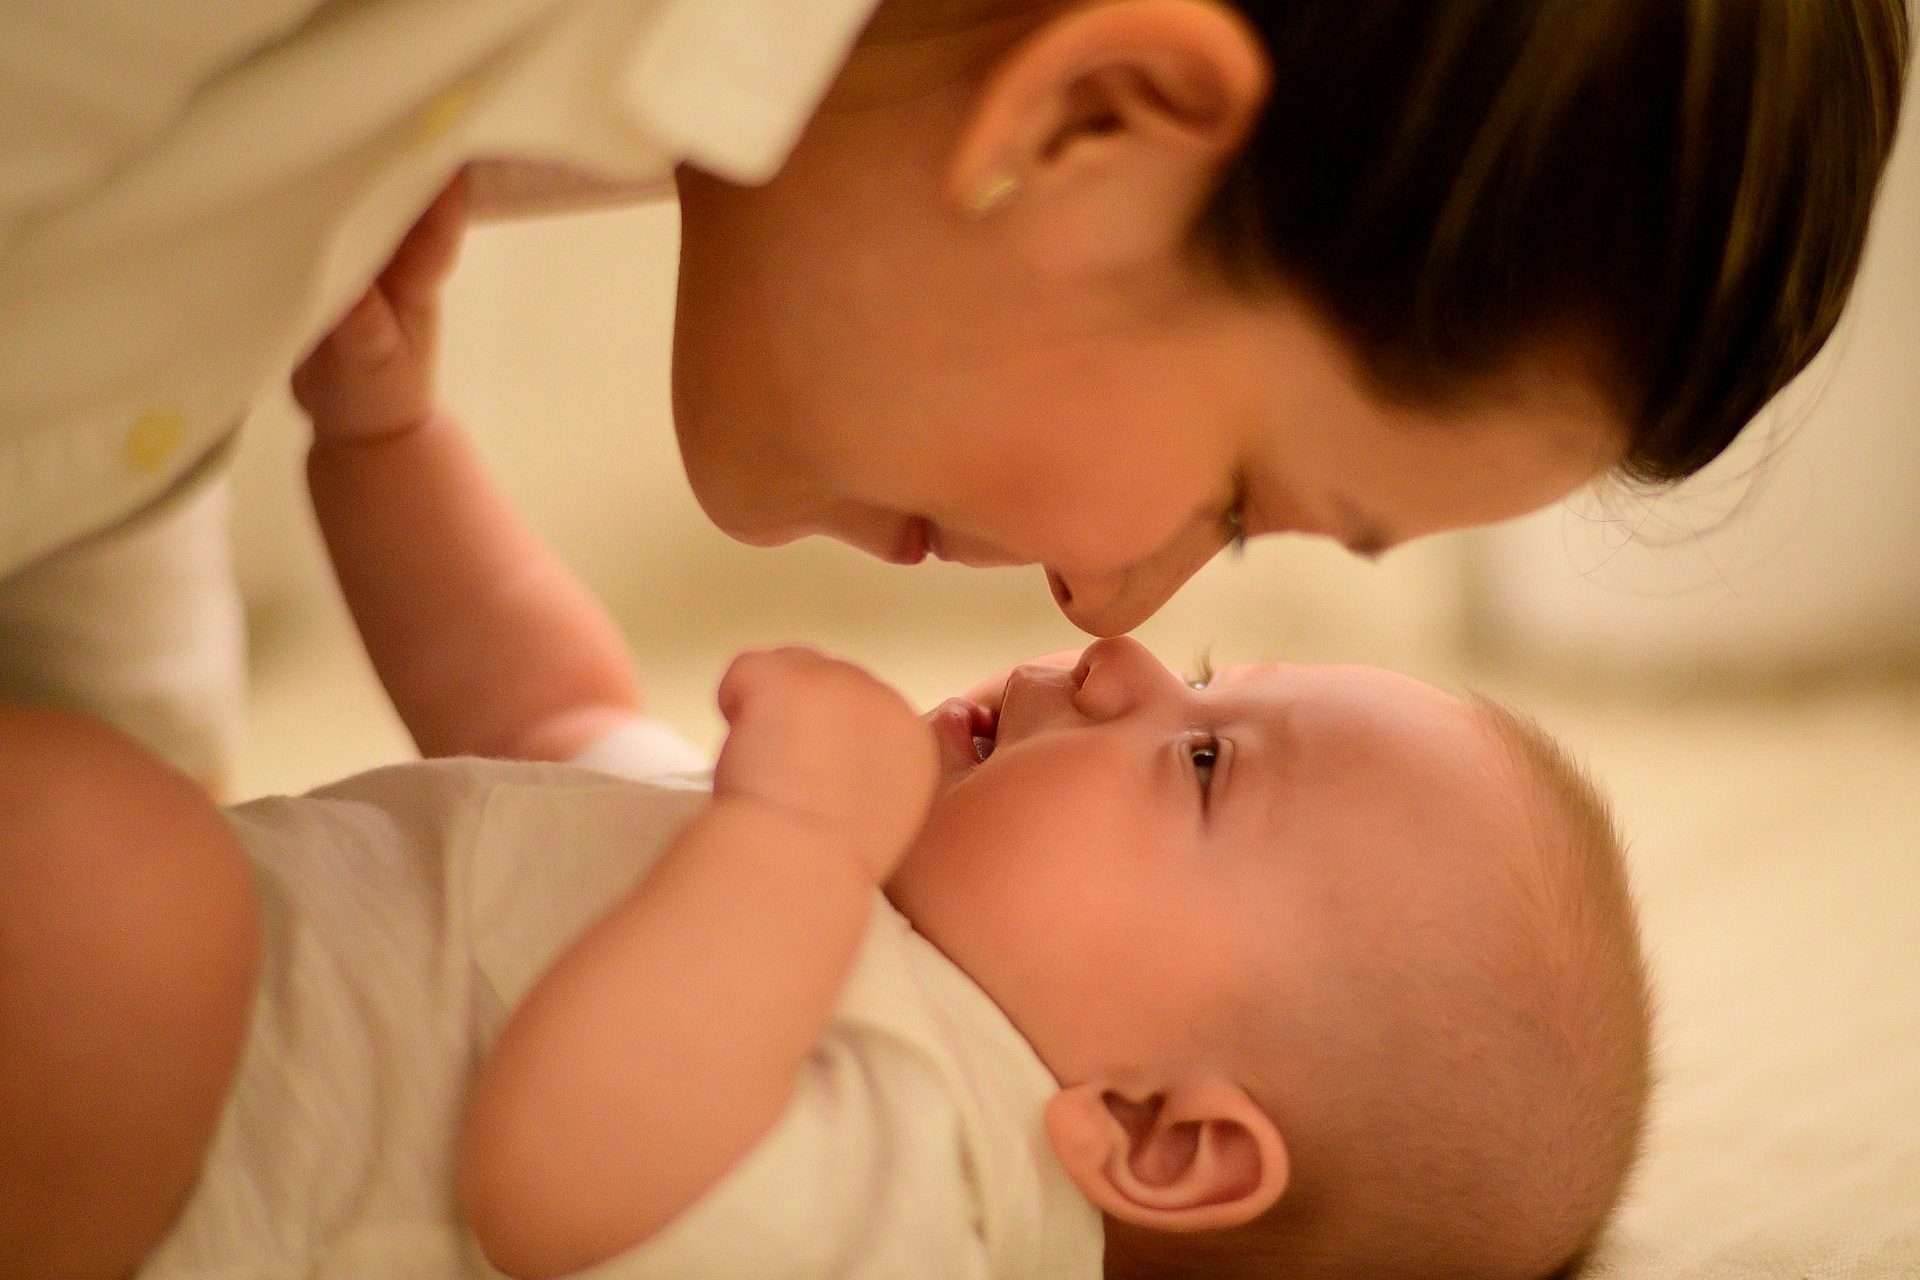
1101, 286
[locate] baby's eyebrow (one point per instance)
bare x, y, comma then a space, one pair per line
1237, 671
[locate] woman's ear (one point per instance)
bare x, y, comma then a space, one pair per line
1198, 1157
1100, 137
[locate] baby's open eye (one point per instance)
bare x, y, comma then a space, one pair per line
1204, 753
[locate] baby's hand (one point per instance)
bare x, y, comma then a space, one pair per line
823, 740
373, 375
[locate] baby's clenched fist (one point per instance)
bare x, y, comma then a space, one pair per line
831, 745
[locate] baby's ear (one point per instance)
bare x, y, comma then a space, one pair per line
1199, 1156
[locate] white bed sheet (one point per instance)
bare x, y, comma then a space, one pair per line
1781, 900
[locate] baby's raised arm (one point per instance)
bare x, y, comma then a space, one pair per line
669, 1038
486, 643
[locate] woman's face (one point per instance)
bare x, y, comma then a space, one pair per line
857, 358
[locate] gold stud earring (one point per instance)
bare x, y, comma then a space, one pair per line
992, 194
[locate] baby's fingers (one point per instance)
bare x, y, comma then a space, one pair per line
754, 675
367, 340
425, 257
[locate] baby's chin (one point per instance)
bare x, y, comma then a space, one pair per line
902, 888
922, 885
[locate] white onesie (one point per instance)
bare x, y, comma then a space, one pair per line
408, 909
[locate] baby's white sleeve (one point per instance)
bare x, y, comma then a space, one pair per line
864, 1178
643, 749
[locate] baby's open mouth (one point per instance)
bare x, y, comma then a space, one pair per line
986, 724
966, 732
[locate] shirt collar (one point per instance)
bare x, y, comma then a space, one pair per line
730, 84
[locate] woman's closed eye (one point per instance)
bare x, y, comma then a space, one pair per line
1233, 524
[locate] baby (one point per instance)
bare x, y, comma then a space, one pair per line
1305, 972
1308, 972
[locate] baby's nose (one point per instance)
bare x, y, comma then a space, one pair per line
1037, 697
1116, 676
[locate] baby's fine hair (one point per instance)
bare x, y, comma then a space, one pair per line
1675, 192
1500, 1081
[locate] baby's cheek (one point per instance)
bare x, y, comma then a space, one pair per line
938, 871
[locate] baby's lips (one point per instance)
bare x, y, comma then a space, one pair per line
961, 726
982, 718
989, 693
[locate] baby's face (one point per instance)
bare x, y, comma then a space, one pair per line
1132, 851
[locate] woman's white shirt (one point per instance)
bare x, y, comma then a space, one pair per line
191, 195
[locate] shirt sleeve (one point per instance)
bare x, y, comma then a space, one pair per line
86, 83
643, 749
865, 1177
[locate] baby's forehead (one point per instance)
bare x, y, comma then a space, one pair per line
1365, 738
1388, 796
1382, 691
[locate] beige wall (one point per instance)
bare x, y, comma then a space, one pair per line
1799, 552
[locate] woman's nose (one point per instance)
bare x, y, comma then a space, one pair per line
1116, 601
1117, 676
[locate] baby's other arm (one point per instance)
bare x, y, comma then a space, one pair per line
486, 643
669, 1038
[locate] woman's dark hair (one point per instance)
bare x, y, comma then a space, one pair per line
1682, 186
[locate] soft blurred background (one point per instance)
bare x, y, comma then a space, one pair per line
1737, 662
